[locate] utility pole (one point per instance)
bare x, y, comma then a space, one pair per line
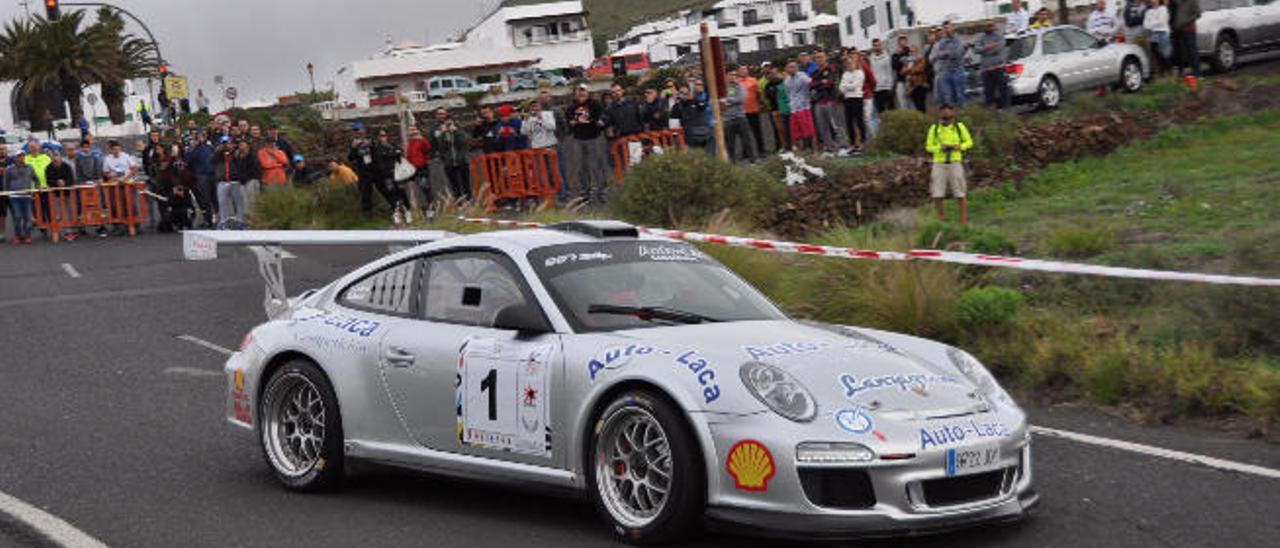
709, 68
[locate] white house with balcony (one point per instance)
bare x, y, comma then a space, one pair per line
744, 26
547, 36
862, 21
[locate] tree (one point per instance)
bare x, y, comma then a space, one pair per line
78, 57
22, 60
131, 56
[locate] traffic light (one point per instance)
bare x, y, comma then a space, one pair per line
51, 10
164, 70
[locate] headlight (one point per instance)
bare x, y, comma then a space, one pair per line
973, 370
812, 452
779, 391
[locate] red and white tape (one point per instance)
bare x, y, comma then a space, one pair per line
928, 255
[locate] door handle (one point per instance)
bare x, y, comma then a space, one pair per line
398, 357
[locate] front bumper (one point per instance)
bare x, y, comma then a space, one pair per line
892, 495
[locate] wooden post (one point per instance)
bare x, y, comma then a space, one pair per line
709, 68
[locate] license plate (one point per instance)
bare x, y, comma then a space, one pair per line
969, 460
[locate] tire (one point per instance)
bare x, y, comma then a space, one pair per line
306, 454
649, 418
1049, 93
1226, 54
1131, 79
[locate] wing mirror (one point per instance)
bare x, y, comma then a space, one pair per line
522, 318
1100, 44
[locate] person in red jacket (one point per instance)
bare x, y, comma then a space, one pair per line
274, 164
418, 152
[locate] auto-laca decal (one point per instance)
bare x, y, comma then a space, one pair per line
353, 325
691, 360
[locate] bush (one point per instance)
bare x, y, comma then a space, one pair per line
944, 235
901, 132
987, 307
1078, 242
686, 188
323, 205
994, 132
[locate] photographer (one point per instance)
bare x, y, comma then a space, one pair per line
947, 142
449, 143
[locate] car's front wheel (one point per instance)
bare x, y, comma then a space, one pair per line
301, 427
1050, 93
1131, 79
1225, 54
645, 472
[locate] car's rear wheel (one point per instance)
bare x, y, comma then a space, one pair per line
1225, 54
301, 427
645, 472
1131, 79
1050, 93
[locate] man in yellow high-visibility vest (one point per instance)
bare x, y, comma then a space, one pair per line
947, 142
39, 162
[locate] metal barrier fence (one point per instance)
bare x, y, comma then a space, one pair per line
518, 175
120, 204
629, 151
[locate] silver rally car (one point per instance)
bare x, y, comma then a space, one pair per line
638, 371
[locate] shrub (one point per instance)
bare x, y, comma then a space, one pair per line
323, 205
1078, 241
901, 132
987, 307
995, 132
687, 188
942, 235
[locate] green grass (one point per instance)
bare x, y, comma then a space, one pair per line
1188, 193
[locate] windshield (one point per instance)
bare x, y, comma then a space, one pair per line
594, 284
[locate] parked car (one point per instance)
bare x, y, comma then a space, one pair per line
1046, 64
442, 86
531, 79
636, 63
1230, 28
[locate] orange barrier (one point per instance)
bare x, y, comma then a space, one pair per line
121, 204
519, 175
623, 159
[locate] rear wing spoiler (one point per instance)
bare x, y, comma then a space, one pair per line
268, 247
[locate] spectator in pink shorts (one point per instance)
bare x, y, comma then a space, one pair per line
802, 128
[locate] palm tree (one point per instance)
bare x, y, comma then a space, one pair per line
77, 57
22, 59
130, 57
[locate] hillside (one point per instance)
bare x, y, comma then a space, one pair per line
610, 18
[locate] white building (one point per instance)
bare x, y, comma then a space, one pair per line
545, 36
94, 110
861, 21
744, 26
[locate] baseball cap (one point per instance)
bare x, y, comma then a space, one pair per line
298, 158
225, 139
357, 126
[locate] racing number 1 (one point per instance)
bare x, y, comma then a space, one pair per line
490, 384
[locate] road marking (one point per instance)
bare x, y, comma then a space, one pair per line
52, 528
1149, 450
71, 270
211, 346
191, 372
126, 293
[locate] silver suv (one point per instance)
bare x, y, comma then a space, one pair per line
1046, 64
1229, 28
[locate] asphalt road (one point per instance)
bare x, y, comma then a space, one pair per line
111, 422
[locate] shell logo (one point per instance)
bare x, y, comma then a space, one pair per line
751, 465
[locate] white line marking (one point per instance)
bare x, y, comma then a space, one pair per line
201, 342
71, 270
49, 526
1153, 451
191, 372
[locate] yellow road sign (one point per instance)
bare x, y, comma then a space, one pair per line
176, 87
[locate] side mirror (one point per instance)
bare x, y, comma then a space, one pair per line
1101, 44
523, 318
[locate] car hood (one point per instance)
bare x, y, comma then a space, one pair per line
896, 375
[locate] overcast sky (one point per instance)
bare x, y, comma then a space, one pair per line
262, 46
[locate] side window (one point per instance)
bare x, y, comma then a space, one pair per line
470, 288
1079, 40
1055, 43
389, 291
